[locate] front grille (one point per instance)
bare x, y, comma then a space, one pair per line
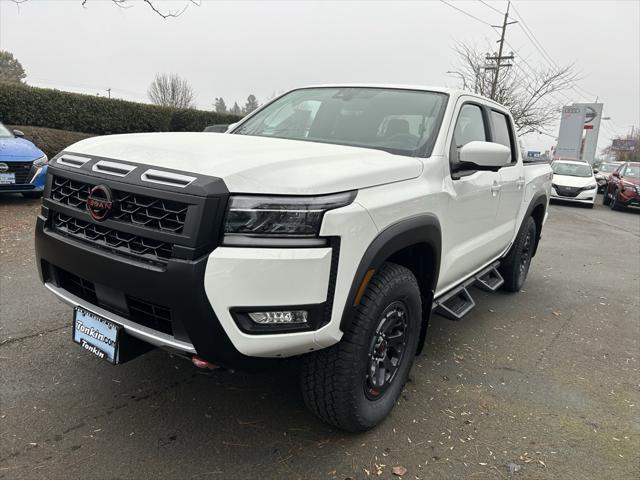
150, 315
155, 213
112, 240
78, 286
22, 170
568, 191
142, 312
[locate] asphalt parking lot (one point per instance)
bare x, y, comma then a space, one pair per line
543, 384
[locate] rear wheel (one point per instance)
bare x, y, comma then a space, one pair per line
354, 384
515, 266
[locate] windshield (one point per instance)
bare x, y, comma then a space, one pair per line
4, 132
571, 169
608, 167
632, 171
403, 122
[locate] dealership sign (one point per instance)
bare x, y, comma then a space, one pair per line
570, 136
624, 144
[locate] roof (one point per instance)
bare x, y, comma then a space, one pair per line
454, 92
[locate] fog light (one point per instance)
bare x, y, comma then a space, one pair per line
279, 318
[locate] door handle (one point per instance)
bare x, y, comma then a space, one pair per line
495, 188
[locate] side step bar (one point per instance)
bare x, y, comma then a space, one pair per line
457, 302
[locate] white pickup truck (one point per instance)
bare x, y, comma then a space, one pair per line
327, 226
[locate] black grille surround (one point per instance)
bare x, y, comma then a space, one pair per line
148, 222
570, 192
113, 240
155, 213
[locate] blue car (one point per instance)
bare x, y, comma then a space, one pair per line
23, 166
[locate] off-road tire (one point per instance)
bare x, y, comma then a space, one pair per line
334, 380
521, 250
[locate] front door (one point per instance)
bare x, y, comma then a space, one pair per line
469, 230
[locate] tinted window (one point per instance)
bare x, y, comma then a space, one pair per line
469, 128
501, 130
632, 171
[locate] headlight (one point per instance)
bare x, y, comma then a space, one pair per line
254, 220
41, 162
590, 187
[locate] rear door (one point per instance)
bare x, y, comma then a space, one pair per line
511, 178
469, 231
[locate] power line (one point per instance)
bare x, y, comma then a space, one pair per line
491, 7
466, 13
543, 51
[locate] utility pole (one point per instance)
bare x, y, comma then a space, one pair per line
109, 91
498, 59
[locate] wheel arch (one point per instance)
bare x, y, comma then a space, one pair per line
537, 209
415, 243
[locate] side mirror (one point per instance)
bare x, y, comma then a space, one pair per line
616, 174
595, 170
232, 126
485, 154
18, 133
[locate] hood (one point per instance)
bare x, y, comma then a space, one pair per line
571, 181
631, 180
18, 149
257, 164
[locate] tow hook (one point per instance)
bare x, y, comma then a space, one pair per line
202, 363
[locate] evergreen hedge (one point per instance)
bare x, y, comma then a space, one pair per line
41, 107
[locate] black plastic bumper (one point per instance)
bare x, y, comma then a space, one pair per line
179, 286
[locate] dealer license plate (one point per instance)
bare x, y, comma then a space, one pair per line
7, 178
96, 334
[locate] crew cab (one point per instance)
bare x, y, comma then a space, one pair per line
325, 227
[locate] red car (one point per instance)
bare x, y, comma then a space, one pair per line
623, 188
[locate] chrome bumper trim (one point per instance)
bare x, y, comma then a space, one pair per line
139, 331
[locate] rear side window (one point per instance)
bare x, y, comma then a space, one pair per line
502, 131
469, 127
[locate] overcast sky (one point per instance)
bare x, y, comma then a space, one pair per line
231, 49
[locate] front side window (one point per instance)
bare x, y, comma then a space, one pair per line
403, 122
469, 127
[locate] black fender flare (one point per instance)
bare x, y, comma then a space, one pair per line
540, 199
420, 229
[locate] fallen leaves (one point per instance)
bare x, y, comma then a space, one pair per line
399, 470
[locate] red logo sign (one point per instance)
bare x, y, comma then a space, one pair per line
99, 202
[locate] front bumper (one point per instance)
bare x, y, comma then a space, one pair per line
36, 182
585, 197
629, 197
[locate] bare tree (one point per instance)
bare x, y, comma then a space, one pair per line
150, 3
169, 90
530, 97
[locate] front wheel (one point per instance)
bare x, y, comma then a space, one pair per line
354, 384
515, 266
615, 204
